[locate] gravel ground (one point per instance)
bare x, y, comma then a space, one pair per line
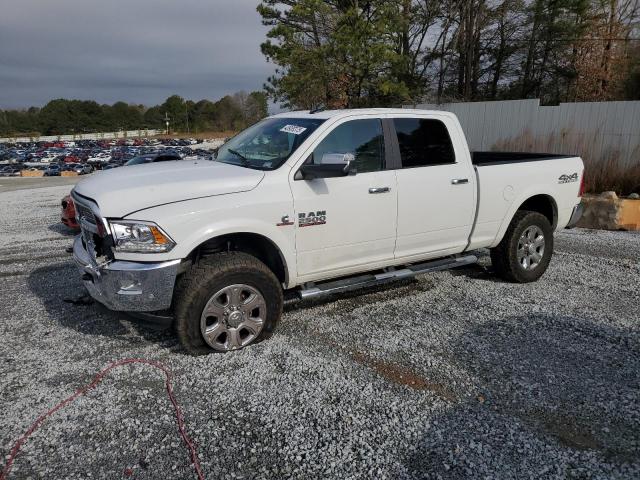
8, 184
453, 375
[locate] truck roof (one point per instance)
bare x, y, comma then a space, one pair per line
325, 114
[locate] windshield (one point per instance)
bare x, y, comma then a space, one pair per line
267, 144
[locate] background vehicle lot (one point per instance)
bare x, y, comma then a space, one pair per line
85, 156
453, 375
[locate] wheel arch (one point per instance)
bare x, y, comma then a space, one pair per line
543, 203
255, 244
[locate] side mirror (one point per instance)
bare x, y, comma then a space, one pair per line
332, 165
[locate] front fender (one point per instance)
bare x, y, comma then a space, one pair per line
193, 222
275, 235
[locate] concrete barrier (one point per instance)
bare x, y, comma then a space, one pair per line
34, 173
609, 212
84, 136
68, 174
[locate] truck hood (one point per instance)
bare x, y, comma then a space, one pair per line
125, 190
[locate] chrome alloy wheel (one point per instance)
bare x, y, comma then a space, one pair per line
531, 247
233, 317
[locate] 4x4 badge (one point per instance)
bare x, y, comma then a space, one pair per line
568, 178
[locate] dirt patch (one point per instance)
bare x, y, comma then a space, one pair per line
402, 375
568, 431
395, 373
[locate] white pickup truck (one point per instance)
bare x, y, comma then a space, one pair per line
313, 203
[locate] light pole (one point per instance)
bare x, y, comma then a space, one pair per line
186, 115
166, 121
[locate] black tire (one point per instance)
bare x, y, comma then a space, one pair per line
208, 276
504, 256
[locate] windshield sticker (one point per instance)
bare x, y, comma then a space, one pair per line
295, 129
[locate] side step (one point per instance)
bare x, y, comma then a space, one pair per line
369, 280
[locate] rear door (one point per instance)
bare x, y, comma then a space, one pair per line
347, 222
436, 188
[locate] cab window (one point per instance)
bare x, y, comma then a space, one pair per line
361, 138
423, 142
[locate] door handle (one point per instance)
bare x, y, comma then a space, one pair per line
459, 181
379, 190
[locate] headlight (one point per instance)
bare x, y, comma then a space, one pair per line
139, 237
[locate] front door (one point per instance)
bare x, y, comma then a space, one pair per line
346, 222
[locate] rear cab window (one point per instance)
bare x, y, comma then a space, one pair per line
423, 142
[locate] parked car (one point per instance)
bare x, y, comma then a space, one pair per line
68, 215
314, 203
52, 171
10, 172
83, 169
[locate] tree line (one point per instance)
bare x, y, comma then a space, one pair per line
351, 53
61, 116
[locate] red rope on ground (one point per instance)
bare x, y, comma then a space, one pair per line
96, 380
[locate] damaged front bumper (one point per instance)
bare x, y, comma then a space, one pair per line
127, 286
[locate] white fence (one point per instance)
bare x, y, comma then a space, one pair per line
597, 131
85, 136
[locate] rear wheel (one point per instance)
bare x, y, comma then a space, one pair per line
525, 251
226, 302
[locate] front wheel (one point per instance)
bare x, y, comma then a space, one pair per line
524, 253
226, 302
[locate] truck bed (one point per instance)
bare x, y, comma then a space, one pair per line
500, 158
517, 177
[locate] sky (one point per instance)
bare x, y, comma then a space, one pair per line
138, 51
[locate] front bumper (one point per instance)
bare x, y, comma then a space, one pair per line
578, 210
127, 286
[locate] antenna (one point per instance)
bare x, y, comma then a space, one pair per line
317, 109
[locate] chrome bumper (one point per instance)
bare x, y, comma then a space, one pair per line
127, 286
578, 210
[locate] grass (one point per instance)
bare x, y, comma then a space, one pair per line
611, 175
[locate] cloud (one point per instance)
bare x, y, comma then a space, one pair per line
138, 51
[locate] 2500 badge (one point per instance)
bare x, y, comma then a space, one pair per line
312, 218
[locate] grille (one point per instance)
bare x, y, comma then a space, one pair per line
92, 231
86, 213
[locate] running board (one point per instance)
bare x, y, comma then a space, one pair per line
369, 280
